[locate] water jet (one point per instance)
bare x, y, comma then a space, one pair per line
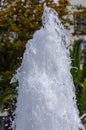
47, 98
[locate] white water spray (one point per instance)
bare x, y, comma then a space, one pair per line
46, 98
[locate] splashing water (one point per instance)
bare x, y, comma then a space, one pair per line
46, 98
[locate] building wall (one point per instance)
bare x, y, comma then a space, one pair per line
78, 2
75, 2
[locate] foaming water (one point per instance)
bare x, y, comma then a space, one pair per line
46, 98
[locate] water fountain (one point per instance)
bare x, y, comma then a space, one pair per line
46, 98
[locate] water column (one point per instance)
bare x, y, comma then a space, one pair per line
46, 99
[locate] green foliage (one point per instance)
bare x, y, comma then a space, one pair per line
76, 59
9, 93
79, 76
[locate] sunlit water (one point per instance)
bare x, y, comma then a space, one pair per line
46, 98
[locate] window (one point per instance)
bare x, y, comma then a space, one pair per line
79, 23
